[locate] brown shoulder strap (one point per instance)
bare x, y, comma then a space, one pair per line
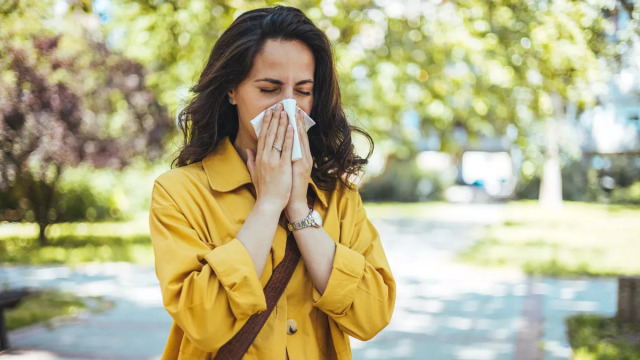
235, 348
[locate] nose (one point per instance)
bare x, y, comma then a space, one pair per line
287, 93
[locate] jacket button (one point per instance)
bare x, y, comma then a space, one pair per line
292, 326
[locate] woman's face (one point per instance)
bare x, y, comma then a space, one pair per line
283, 69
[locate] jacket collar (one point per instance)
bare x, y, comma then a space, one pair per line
227, 171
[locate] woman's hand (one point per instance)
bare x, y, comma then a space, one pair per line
297, 207
270, 168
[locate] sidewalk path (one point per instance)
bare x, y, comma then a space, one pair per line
136, 328
444, 310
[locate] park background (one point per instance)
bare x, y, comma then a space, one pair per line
505, 180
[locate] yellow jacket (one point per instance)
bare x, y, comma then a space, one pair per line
209, 284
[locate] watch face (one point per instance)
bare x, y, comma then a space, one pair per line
316, 218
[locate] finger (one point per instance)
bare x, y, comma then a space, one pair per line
273, 127
288, 144
263, 129
282, 128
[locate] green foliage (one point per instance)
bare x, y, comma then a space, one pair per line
595, 192
624, 169
575, 182
49, 304
172, 39
79, 202
581, 182
629, 195
528, 188
66, 99
476, 65
74, 243
88, 194
595, 337
404, 182
564, 243
482, 65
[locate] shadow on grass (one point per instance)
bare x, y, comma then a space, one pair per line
582, 239
71, 249
46, 305
537, 257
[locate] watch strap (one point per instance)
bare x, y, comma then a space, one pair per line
303, 223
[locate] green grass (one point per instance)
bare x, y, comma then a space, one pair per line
49, 304
595, 337
582, 239
73, 243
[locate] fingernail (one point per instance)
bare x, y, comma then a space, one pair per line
283, 114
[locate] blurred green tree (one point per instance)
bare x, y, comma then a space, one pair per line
483, 66
475, 65
66, 99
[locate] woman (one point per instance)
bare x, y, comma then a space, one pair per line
219, 221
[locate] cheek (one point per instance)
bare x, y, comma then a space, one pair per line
306, 104
251, 109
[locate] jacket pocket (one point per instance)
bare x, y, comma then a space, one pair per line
323, 335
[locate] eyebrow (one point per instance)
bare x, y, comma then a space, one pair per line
278, 82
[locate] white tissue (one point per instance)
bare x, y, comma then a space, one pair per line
290, 107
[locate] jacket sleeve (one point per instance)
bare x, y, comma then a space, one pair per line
360, 294
210, 293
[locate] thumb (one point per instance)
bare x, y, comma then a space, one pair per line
251, 162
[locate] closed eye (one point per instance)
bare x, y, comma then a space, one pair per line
306, 93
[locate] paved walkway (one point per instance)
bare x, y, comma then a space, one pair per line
136, 328
444, 310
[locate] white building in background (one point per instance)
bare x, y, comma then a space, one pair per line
487, 169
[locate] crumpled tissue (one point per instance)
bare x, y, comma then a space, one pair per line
290, 106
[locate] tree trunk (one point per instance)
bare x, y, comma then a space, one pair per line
40, 191
42, 237
629, 299
551, 184
41, 210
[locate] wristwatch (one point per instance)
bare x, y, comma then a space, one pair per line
313, 219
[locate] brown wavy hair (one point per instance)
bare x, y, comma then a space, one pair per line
209, 117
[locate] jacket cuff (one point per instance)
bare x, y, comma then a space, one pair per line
346, 273
235, 271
